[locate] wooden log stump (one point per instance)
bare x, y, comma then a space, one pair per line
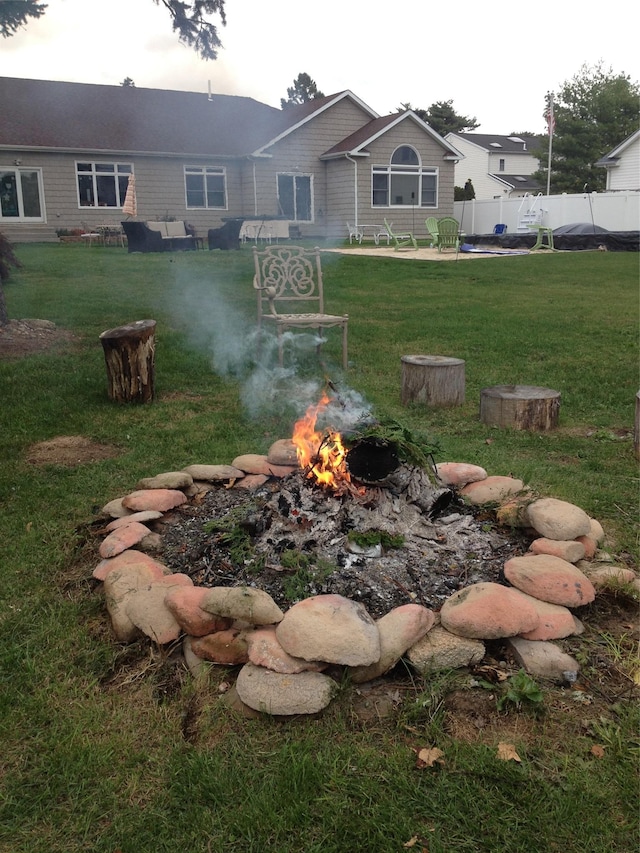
520, 407
129, 353
433, 380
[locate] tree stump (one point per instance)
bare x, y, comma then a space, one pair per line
129, 353
520, 407
433, 380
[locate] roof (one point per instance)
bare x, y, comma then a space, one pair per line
517, 182
88, 117
496, 143
611, 159
355, 144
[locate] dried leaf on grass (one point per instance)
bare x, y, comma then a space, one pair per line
507, 752
415, 839
597, 750
428, 756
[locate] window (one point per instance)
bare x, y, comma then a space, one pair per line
404, 183
205, 187
20, 194
295, 197
102, 184
501, 165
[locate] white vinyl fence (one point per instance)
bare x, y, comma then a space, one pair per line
619, 211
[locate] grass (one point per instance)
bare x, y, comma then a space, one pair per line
107, 748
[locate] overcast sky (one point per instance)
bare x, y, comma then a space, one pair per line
496, 61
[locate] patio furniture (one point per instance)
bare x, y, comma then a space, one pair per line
432, 229
543, 231
378, 232
448, 234
289, 278
225, 237
354, 233
500, 228
157, 236
401, 241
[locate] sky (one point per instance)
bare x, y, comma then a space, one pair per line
495, 61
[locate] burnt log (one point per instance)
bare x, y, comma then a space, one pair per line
432, 380
525, 407
129, 354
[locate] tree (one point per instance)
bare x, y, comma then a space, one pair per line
128, 83
189, 20
593, 112
7, 260
304, 89
442, 117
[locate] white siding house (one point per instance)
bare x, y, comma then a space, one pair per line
623, 165
498, 166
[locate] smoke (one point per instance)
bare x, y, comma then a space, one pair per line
237, 350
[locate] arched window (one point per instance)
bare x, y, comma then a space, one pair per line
403, 182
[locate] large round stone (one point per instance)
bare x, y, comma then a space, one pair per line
487, 611
550, 579
556, 519
284, 694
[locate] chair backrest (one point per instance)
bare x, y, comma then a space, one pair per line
500, 228
432, 226
293, 276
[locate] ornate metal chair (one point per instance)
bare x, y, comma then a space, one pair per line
289, 279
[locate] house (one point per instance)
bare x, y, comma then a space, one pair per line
67, 150
623, 165
498, 166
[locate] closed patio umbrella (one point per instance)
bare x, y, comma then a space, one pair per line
130, 206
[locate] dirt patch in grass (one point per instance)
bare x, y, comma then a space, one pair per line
20, 338
69, 450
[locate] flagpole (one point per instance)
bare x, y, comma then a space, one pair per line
550, 124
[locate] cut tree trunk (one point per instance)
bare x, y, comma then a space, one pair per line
433, 380
129, 353
520, 407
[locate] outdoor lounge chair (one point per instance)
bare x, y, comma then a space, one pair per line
432, 230
225, 237
401, 241
289, 278
448, 234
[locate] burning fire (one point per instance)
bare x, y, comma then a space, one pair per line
322, 453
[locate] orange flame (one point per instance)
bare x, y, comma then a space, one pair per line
322, 453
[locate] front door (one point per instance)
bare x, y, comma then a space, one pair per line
21, 195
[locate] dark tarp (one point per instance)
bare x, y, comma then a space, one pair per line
614, 241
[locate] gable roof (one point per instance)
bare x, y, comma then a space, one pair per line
355, 145
516, 182
94, 118
496, 143
611, 159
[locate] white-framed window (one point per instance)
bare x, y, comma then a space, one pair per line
102, 184
21, 194
403, 182
205, 186
295, 197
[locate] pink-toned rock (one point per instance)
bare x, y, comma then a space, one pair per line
459, 473
214, 473
549, 579
251, 463
555, 519
251, 482
148, 611
571, 550
122, 538
141, 517
242, 602
488, 611
131, 557
440, 649
283, 452
555, 622
119, 586
399, 629
158, 499
225, 647
115, 509
198, 667
280, 471
284, 694
330, 628
184, 603
265, 650
491, 490
590, 547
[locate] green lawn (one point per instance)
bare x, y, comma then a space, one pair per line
107, 748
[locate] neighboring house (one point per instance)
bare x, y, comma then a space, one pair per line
623, 165
499, 166
67, 150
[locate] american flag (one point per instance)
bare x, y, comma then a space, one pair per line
549, 117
